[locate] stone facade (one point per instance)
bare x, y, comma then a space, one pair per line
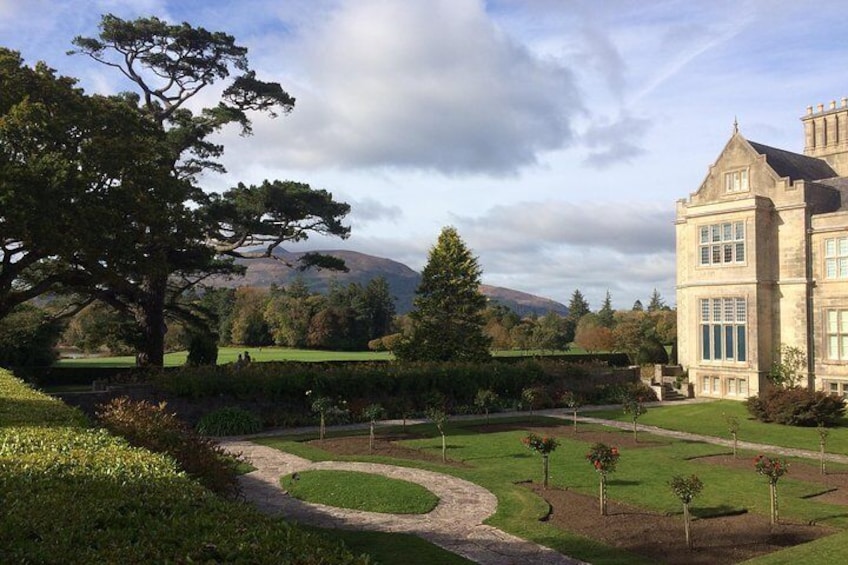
762, 260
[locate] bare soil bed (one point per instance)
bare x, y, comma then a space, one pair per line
720, 540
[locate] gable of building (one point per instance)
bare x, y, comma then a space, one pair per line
745, 169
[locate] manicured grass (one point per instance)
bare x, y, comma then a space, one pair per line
230, 354
360, 491
707, 418
399, 549
497, 461
260, 354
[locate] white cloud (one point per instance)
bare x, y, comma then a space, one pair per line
624, 227
615, 142
368, 210
430, 85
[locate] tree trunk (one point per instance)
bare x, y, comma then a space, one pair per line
321, 427
371, 438
151, 322
574, 417
635, 431
822, 463
444, 449
773, 493
603, 494
686, 521
545, 470
735, 443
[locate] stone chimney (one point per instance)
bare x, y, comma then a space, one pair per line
826, 134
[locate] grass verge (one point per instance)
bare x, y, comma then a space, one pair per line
360, 491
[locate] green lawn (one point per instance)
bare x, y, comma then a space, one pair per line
708, 418
360, 491
497, 461
259, 354
394, 548
230, 354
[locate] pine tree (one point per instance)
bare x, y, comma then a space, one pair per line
577, 308
657, 303
606, 315
447, 316
637, 306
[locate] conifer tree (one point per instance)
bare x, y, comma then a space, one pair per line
606, 315
657, 303
447, 317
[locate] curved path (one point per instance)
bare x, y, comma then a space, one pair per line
456, 524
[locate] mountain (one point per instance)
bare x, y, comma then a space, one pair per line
402, 280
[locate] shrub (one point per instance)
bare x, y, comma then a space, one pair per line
137, 507
148, 425
796, 406
230, 421
651, 352
27, 337
202, 349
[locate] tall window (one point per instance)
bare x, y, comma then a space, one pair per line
837, 335
836, 258
722, 243
723, 329
736, 181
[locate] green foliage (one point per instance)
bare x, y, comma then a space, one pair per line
162, 227
202, 348
229, 421
770, 467
787, 371
27, 338
606, 315
651, 351
150, 426
486, 399
400, 387
137, 507
542, 445
366, 492
603, 458
796, 406
373, 412
686, 488
447, 318
571, 400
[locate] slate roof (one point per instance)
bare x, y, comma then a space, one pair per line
839, 185
794, 165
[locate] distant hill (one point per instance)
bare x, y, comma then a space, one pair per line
402, 280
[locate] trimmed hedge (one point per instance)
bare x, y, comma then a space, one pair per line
277, 391
72, 494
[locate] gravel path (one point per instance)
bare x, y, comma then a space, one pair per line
456, 524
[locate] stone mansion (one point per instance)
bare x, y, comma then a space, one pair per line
762, 260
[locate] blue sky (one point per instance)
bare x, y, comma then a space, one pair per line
555, 135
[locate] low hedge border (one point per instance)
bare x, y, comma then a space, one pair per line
73, 494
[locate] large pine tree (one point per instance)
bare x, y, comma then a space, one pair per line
447, 316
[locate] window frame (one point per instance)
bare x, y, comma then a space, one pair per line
722, 244
723, 329
836, 335
835, 257
737, 181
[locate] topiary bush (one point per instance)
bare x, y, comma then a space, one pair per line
229, 421
150, 426
796, 406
